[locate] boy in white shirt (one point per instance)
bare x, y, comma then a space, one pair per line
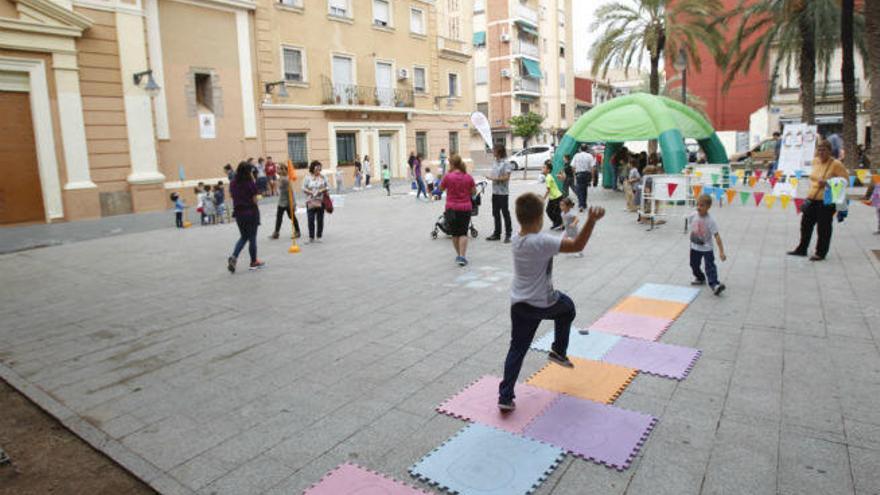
429, 181
532, 296
703, 230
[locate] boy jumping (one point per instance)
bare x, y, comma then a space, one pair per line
532, 297
703, 230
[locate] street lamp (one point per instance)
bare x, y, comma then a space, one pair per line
151, 87
681, 64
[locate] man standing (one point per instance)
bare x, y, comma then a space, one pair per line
500, 177
583, 163
442, 162
777, 148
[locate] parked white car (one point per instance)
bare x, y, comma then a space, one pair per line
532, 157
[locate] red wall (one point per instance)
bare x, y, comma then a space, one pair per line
583, 89
728, 111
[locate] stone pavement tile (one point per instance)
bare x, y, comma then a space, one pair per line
433, 432
575, 474
754, 401
864, 469
669, 468
648, 404
647, 384
744, 458
160, 442
709, 376
718, 345
201, 470
861, 434
255, 476
810, 465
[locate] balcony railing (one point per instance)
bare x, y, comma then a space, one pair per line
528, 49
526, 85
456, 49
527, 14
357, 95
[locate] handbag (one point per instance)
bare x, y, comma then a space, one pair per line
328, 203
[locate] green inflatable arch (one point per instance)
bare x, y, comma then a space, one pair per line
641, 117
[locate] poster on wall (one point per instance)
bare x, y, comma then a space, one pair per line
798, 148
207, 128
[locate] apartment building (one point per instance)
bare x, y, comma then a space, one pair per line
523, 63
119, 102
368, 77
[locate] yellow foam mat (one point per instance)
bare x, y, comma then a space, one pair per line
591, 380
643, 306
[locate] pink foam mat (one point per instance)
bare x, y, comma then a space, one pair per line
351, 479
667, 360
479, 403
601, 433
630, 325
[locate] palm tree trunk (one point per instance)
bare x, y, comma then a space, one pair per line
872, 29
807, 70
654, 79
848, 76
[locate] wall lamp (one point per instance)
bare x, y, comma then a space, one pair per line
151, 87
282, 91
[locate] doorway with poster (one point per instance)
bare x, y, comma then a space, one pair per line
386, 153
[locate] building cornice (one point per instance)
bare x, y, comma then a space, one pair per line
58, 13
359, 108
39, 28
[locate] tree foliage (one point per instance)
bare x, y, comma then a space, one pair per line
526, 125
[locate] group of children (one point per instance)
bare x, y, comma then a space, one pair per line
210, 205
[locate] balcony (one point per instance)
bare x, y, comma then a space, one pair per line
527, 88
527, 49
825, 90
529, 15
356, 95
453, 49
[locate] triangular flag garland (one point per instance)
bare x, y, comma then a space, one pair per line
798, 203
730, 195
783, 200
671, 187
698, 189
794, 181
862, 174
757, 173
772, 181
769, 200
752, 181
715, 178
827, 199
798, 174
758, 197
718, 193
877, 179
852, 181
744, 196
733, 179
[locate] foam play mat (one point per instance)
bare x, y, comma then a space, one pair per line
591, 380
667, 360
644, 306
591, 346
675, 293
481, 460
604, 434
351, 479
479, 403
629, 325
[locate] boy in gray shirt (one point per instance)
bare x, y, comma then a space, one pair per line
532, 296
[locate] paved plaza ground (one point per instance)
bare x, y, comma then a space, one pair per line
199, 381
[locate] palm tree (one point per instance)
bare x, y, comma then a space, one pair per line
671, 88
872, 39
632, 29
848, 76
783, 34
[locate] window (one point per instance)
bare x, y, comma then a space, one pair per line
524, 108
453, 143
483, 108
340, 8
453, 84
562, 50
419, 80
293, 65
343, 70
381, 13
481, 75
345, 148
562, 81
417, 21
297, 149
422, 143
292, 3
204, 92
479, 6
454, 28
562, 111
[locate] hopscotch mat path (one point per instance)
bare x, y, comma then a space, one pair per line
351, 479
591, 380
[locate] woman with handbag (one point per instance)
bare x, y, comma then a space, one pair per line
460, 188
245, 200
315, 188
814, 211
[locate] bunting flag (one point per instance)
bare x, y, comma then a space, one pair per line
715, 178
744, 197
698, 189
877, 179
798, 173
733, 179
671, 187
778, 174
862, 174
783, 200
794, 181
852, 181
730, 195
769, 201
836, 190
698, 174
718, 193
758, 197
740, 173
752, 181
827, 199
798, 203
772, 181
757, 173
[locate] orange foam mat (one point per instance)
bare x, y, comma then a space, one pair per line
591, 380
656, 308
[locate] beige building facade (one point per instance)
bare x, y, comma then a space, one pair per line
120, 102
523, 63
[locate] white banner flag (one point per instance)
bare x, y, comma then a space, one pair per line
481, 123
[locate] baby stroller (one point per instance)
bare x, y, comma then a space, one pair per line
476, 200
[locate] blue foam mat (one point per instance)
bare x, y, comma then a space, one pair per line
480, 460
593, 346
665, 292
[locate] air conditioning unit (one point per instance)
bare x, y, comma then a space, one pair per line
505, 73
402, 74
505, 37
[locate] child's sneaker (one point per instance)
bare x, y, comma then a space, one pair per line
506, 406
718, 289
697, 281
460, 260
256, 265
560, 360
230, 264
584, 331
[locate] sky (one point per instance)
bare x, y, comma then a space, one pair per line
582, 17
